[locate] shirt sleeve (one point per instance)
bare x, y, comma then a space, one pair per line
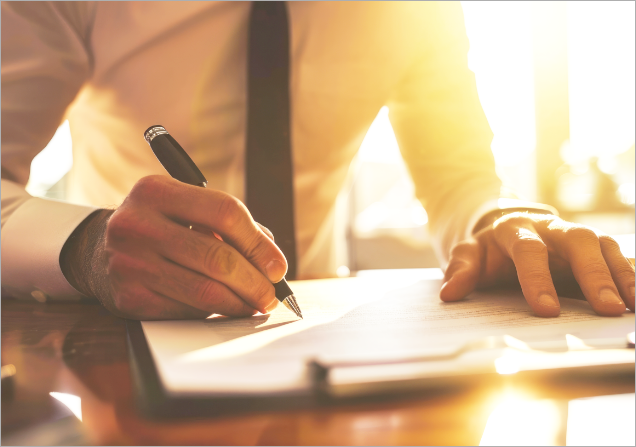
45, 62
442, 130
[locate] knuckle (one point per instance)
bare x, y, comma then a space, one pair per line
118, 264
528, 246
582, 235
148, 185
229, 211
518, 218
127, 224
624, 273
118, 224
596, 269
608, 243
219, 257
461, 248
259, 248
538, 277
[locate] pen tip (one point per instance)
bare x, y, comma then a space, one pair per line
291, 304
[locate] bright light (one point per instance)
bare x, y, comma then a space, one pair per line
517, 421
601, 77
50, 165
418, 213
605, 420
515, 343
72, 402
506, 364
576, 344
343, 271
626, 193
379, 144
501, 57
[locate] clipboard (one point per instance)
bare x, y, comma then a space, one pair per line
492, 358
155, 402
616, 364
186, 392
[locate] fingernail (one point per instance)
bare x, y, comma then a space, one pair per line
275, 270
272, 306
608, 296
548, 300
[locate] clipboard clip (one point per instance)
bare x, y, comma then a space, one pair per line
320, 369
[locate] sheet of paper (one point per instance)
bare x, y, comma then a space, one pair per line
353, 318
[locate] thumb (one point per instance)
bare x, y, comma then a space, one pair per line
462, 273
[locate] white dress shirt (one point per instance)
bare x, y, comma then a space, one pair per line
114, 68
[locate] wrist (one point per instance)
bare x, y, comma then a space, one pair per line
82, 257
490, 217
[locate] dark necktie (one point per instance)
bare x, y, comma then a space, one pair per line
269, 177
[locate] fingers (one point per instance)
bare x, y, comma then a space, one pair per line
582, 249
136, 301
265, 230
218, 261
517, 237
217, 211
188, 287
620, 268
462, 273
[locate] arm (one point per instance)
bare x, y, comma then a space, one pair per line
442, 131
445, 139
141, 260
44, 65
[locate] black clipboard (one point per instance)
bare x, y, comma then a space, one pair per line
154, 402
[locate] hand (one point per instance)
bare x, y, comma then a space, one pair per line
537, 249
143, 261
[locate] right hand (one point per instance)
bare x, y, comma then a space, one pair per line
151, 265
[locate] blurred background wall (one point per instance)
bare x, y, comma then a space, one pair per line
556, 80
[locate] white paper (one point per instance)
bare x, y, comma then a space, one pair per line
348, 319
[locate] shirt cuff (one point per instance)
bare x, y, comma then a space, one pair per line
32, 239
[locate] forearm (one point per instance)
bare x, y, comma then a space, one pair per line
83, 260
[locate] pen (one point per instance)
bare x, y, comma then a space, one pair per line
181, 167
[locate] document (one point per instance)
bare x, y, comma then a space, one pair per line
362, 319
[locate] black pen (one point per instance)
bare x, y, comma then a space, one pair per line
181, 167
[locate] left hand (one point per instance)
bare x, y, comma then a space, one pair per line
537, 249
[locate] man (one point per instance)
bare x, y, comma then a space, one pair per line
113, 69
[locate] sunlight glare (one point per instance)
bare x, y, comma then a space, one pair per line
615, 414
379, 144
507, 363
72, 402
601, 60
501, 57
517, 421
49, 166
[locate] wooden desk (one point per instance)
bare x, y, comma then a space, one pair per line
80, 349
